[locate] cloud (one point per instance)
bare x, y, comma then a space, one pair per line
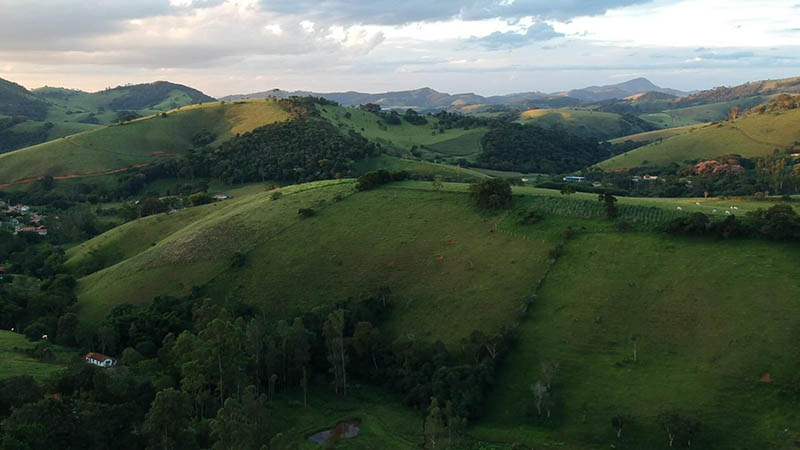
392, 12
728, 56
537, 32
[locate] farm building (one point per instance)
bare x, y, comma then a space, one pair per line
578, 179
99, 359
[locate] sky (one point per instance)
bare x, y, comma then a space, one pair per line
489, 47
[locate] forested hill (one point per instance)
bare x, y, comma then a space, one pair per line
15, 100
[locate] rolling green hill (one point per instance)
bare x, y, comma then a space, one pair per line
750, 136
139, 142
704, 338
695, 115
15, 100
656, 135
601, 125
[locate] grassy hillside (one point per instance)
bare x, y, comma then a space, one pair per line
14, 362
704, 337
358, 253
703, 343
139, 142
453, 142
656, 135
421, 169
29, 132
694, 115
753, 135
602, 125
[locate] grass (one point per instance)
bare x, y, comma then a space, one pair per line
706, 332
695, 115
603, 125
141, 141
705, 339
404, 136
13, 362
420, 168
751, 136
468, 144
657, 134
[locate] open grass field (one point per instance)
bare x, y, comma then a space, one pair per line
139, 142
420, 168
14, 363
404, 136
751, 136
695, 115
706, 334
603, 125
657, 134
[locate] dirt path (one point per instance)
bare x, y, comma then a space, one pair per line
74, 175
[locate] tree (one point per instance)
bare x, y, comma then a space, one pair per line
609, 201
567, 189
437, 184
240, 424
199, 198
333, 330
619, 422
491, 193
150, 206
300, 354
679, 428
166, 424
434, 424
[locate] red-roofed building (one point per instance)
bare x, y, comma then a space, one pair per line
99, 359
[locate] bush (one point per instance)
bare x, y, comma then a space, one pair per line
371, 180
306, 212
276, 195
492, 193
199, 198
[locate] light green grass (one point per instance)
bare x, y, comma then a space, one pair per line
400, 137
657, 134
139, 142
420, 168
603, 125
15, 363
468, 144
695, 115
707, 333
751, 136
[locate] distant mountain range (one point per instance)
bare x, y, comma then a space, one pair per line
427, 98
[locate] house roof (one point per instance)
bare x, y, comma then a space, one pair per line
97, 356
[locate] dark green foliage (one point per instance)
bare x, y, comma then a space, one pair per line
680, 429
15, 100
144, 96
238, 260
16, 391
150, 206
11, 139
414, 118
528, 148
393, 118
492, 193
299, 151
609, 203
695, 223
203, 138
371, 180
306, 212
780, 222
200, 198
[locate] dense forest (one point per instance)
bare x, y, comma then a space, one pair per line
521, 148
298, 151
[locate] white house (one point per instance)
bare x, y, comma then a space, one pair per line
99, 359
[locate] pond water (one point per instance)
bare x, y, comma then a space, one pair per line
342, 430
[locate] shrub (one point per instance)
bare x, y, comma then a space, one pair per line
371, 180
276, 195
492, 193
306, 212
199, 198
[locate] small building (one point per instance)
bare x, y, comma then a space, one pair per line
650, 177
219, 197
576, 179
99, 359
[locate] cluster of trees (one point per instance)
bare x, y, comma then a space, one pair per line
298, 151
527, 148
198, 373
371, 180
491, 193
780, 222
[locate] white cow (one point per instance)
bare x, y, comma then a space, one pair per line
728, 212
679, 208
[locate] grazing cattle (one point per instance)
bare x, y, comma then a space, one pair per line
679, 208
697, 203
728, 213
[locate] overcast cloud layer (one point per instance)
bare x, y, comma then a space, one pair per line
489, 47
